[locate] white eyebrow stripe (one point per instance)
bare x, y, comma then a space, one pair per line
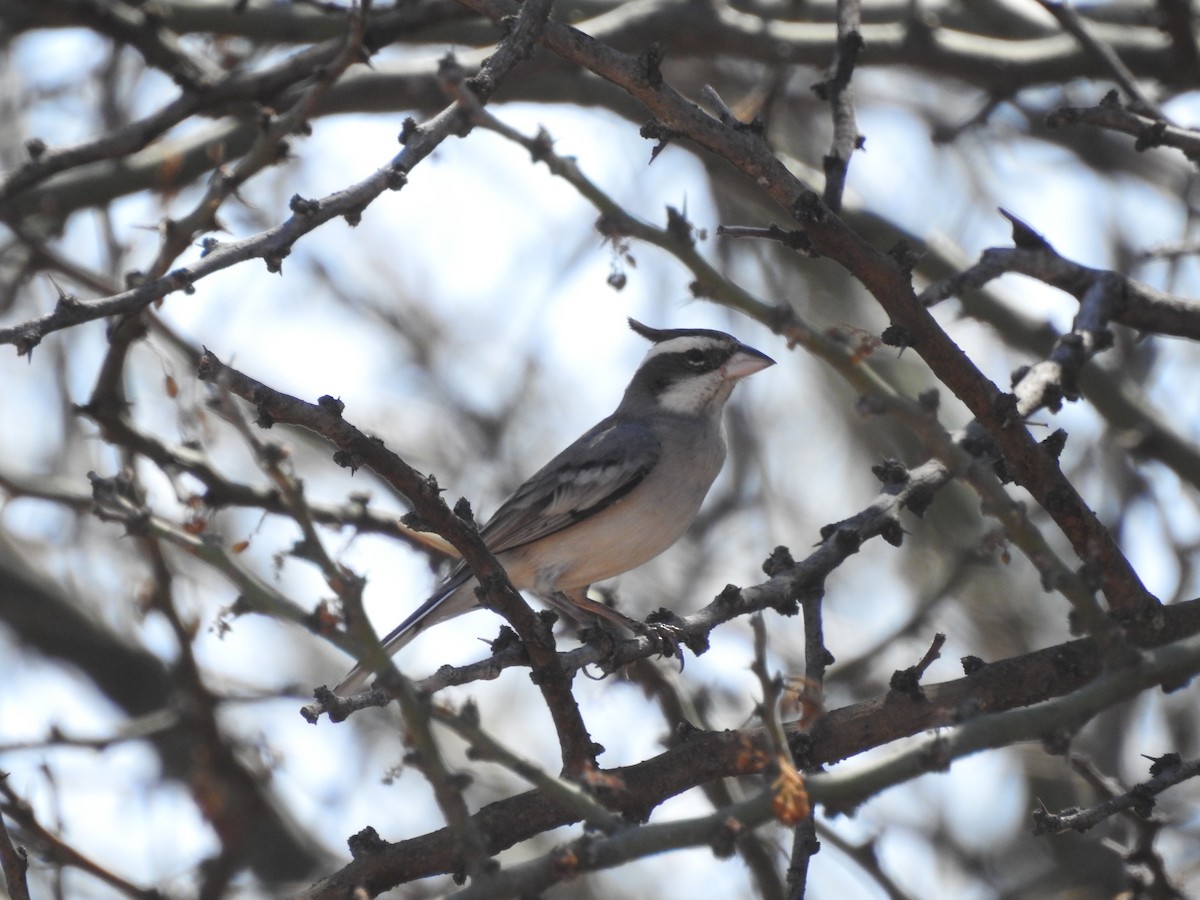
683, 345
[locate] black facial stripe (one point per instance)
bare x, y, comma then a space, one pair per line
704, 359
660, 372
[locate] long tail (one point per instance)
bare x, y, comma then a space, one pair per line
455, 597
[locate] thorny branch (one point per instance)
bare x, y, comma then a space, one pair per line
960, 454
1081, 673
888, 281
1149, 131
1140, 799
274, 244
357, 450
1072, 22
1009, 685
836, 89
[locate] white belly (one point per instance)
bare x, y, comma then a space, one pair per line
632, 531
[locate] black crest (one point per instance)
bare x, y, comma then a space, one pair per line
658, 335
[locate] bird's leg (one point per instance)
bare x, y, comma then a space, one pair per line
591, 624
664, 635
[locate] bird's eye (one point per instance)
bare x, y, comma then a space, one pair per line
695, 358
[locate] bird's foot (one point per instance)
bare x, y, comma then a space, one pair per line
601, 633
605, 636
667, 637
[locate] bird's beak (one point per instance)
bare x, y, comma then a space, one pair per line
745, 361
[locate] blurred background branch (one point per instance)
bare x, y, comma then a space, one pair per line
1008, 403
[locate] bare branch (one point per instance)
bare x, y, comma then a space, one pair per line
1007, 685
1150, 131
53, 847
1076, 26
1139, 799
837, 90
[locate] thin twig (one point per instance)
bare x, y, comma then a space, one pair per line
1139, 799
357, 450
57, 850
14, 863
1072, 22
838, 91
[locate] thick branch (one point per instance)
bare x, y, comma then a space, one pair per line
356, 450
839, 734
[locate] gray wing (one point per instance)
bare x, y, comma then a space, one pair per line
590, 475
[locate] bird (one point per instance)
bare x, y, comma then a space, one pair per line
617, 497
